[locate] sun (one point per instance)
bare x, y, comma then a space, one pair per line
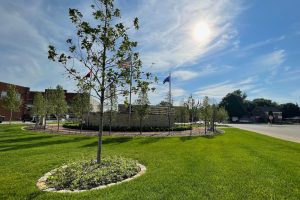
202, 31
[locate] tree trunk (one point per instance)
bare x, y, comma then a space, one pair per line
140, 126
10, 116
45, 122
57, 124
36, 122
99, 150
191, 124
205, 126
81, 124
110, 120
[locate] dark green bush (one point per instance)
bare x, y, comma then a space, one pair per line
124, 128
88, 174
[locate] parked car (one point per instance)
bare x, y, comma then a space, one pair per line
1, 118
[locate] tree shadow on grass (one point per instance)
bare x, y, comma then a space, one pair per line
187, 138
113, 140
25, 139
150, 140
39, 144
209, 136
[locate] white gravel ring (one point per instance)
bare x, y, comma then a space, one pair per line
41, 183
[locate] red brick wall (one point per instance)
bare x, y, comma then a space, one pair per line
24, 91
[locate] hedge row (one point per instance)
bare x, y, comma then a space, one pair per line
127, 129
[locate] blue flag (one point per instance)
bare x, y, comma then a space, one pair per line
166, 80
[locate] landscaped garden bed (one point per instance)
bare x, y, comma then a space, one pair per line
127, 129
86, 175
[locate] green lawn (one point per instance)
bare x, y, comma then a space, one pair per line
235, 165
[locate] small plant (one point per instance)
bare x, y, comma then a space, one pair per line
89, 174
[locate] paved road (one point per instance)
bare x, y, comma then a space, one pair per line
285, 132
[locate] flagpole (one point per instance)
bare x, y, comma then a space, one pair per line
90, 93
130, 86
170, 99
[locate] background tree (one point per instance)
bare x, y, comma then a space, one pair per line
49, 104
111, 104
164, 103
265, 102
290, 110
12, 101
205, 112
80, 105
142, 106
38, 108
234, 104
213, 117
181, 113
57, 103
102, 46
192, 108
222, 115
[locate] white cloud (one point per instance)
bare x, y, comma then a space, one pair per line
166, 33
272, 60
269, 64
263, 43
25, 35
184, 74
220, 90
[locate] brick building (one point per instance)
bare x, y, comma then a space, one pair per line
23, 93
27, 97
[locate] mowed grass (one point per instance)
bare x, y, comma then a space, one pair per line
236, 165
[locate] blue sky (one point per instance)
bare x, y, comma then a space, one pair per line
212, 47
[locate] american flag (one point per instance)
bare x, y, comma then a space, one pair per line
127, 62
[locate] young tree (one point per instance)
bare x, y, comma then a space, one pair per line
80, 105
49, 105
205, 112
213, 117
192, 107
142, 107
222, 114
102, 46
11, 101
111, 104
38, 108
181, 113
57, 103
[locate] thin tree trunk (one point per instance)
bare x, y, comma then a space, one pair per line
10, 116
36, 123
140, 126
99, 150
205, 125
45, 122
81, 124
191, 126
110, 120
57, 124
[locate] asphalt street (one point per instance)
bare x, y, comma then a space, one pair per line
285, 132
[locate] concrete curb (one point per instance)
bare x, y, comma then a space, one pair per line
41, 183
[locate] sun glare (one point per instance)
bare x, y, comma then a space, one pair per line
202, 31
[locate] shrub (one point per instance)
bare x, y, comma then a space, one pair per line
88, 174
124, 128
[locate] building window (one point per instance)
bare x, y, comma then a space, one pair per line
3, 94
